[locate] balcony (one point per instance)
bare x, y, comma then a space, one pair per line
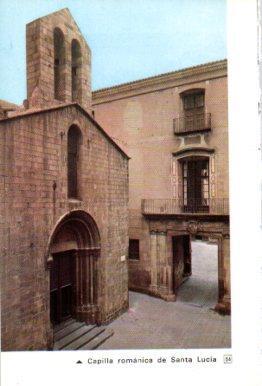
197, 123
210, 206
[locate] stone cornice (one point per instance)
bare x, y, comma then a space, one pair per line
196, 149
189, 75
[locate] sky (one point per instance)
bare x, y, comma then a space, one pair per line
129, 39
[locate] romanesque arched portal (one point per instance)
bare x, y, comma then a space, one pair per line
74, 251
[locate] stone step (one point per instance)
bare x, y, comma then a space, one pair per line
67, 330
98, 340
88, 337
72, 336
62, 325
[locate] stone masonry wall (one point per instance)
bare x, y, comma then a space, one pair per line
34, 198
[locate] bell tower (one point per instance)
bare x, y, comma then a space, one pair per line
58, 62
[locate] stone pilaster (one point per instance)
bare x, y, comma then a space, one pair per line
224, 301
153, 256
160, 269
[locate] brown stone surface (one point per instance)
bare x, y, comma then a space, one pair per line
33, 159
41, 57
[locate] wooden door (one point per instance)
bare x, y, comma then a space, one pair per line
194, 111
62, 287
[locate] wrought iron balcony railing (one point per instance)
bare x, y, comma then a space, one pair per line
212, 206
195, 123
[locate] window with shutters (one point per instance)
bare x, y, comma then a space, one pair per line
193, 116
194, 102
194, 111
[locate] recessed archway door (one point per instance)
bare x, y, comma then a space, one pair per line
74, 265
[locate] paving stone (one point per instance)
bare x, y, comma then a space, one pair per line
187, 323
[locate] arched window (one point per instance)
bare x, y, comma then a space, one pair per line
59, 63
76, 63
73, 155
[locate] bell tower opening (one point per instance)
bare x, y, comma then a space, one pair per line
58, 61
59, 64
76, 67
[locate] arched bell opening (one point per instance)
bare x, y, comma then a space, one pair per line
76, 67
74, 252
59, 65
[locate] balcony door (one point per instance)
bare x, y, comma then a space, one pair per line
196, 185
194, 111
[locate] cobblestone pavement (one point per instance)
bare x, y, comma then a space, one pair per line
187, 323
202, 287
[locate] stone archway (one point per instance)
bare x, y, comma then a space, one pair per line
73, 259
166, 274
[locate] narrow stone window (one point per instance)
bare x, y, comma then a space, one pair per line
59, 64
73, 160
76, 64
133, 253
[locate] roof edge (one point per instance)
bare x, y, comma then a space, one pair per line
200, 68
27, 113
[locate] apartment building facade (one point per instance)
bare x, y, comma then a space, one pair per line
174, 127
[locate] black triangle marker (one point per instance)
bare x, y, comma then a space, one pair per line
79, 361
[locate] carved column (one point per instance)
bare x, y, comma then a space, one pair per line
212, 176
78, 284
86, 285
